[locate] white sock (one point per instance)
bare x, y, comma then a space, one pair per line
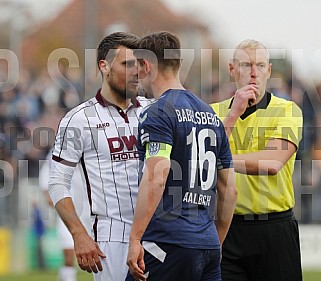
67, 273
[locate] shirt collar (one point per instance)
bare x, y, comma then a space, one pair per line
263, 104
103, 102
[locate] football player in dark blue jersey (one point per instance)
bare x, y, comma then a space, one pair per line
188, 175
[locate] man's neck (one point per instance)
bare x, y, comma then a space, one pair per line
114, 98
164, 83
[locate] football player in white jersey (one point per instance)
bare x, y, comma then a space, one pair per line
100, 134
67, 272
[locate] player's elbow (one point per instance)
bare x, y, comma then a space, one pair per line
274, 168
158, 184
228, 193
232, 194
268, 167
272, 172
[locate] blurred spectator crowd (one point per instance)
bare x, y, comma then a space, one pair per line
29, 116
31, 110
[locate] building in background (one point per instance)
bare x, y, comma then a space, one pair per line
74, 32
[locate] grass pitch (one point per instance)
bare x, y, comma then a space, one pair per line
83, 276
43, 276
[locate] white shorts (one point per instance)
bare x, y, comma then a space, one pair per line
114, 265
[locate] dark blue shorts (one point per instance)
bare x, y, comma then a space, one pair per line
167, 262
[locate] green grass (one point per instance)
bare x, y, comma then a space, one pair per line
312, 275
83, 276
43, 276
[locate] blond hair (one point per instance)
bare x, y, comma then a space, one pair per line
250, 44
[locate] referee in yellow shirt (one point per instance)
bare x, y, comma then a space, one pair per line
264, 134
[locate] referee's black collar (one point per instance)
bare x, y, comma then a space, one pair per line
263, 104
103, 102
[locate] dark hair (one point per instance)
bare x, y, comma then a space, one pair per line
111, 42
166, 49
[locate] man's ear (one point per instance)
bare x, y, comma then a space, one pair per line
104, 66
231, 69
146, 66
269, 69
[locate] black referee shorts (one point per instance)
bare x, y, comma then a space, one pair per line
181, 264
262, 248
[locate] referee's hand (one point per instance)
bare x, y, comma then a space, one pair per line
244, 97
88, 253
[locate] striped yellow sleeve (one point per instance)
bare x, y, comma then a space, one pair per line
158, 149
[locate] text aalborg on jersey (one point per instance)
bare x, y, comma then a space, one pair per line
197, 117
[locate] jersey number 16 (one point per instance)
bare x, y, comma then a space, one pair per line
199, 155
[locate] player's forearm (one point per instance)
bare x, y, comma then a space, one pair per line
222, 229
86, 250
225, 210
66, 210
149, 195
150, 192
225, 201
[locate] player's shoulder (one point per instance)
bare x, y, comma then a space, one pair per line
181, 97
80, 110
145, 107
144, 102
159, 108
195, 99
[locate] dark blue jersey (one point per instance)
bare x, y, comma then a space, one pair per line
185, 215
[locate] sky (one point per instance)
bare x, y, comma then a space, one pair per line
290, 27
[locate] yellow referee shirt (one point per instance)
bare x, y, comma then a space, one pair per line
272, 117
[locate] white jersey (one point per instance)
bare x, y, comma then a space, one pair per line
102, 137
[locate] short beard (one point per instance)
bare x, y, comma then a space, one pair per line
123, 93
